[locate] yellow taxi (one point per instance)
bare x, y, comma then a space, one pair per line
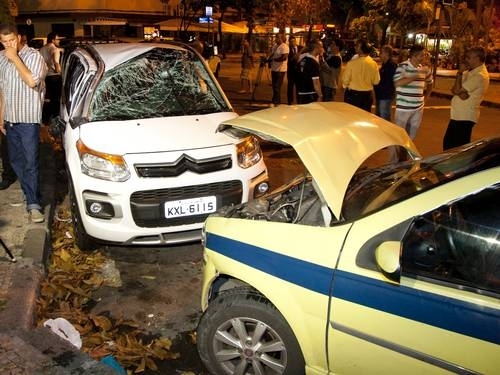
356, 266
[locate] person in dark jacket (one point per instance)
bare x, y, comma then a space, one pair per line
385, 90
308, 83
291, 73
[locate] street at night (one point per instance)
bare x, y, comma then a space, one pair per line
180, 224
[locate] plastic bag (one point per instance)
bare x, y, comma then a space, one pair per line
111, 362
64, 329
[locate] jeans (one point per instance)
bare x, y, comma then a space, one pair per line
277, 81
383, 108
328, 93
23, 146
409, 120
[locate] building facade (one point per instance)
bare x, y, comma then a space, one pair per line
93, 18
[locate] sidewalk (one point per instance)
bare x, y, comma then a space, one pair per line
24, 349
445, 79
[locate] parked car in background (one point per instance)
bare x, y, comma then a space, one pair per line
210, 53
145, 162
37, 42
356, 266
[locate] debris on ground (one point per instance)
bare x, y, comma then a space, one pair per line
72, 278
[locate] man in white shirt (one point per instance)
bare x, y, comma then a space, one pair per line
279, 62
471, 83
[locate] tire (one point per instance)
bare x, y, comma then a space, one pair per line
82, 239
224, 352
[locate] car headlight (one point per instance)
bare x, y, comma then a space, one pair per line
248, 152
101, 165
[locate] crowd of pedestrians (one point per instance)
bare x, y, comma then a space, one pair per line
315, 71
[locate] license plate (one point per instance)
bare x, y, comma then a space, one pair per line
189, 207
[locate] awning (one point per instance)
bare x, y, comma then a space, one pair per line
106, 22
258, 29
174, 24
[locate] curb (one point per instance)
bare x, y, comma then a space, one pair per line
26, 275
25, 348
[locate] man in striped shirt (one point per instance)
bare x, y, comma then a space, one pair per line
413, 83
22, 81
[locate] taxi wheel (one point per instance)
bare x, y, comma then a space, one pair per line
241, 332
82, 240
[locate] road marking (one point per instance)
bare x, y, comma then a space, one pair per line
437, 107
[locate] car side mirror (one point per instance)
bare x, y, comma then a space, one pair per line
387, 257
77, 121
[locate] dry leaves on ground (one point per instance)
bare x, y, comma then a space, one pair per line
73, 276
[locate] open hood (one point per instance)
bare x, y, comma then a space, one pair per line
332, 139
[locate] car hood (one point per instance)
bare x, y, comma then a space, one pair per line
155, 134
333, 140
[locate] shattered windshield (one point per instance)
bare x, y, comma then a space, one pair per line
374, 188
162, 82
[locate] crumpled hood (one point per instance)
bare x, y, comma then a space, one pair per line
156, 134
332, 139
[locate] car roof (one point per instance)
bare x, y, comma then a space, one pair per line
114, 54
333, 139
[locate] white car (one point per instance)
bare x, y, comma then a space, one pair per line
145, 162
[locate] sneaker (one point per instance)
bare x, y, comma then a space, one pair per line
36, 216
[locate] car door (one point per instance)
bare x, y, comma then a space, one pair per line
451, 255
79, 73
441, 312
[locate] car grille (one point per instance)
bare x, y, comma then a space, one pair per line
147, 206
183, 164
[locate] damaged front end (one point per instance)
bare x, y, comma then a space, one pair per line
296, 202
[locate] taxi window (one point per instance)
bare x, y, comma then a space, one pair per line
458, 243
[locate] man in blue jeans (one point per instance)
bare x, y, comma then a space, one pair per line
22, 81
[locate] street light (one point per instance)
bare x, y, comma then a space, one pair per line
208, 14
